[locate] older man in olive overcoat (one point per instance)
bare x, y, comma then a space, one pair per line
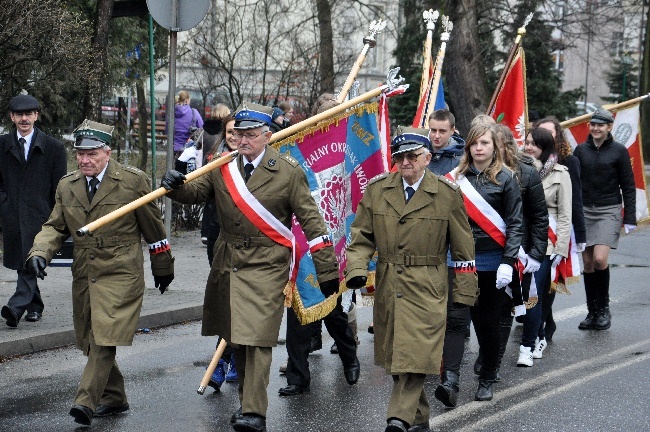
411, 218
244, 300
108, 275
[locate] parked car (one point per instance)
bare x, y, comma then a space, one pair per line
585, 108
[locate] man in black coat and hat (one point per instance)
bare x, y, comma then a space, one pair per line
31, 165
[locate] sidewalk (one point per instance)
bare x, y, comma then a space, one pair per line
183, 301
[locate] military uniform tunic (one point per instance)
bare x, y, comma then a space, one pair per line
412, 241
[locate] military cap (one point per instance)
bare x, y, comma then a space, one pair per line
251, 116
91, 135
408, 139
23, 103
602, 116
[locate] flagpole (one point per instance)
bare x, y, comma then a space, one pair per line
521, 31
369, 42
430, 17
615, 107
433, 92
392, 82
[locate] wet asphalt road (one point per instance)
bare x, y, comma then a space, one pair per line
587, 380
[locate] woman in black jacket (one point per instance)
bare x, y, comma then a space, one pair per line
606, 175
496, 256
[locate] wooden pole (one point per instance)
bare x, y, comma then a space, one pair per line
212, 366
369, 42
151, 196
611, 107
513, 50
433, 92
430, 17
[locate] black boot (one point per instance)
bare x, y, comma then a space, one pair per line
484, 392
591, 291
447, 391
603, 317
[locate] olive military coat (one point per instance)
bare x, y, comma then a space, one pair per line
27, 191
107, 268
412, 241
244, 292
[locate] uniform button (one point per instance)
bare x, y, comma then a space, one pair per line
93, 280
400, 271
234, 270
399, 295
237, 224
402, 221
400, 246
92, 257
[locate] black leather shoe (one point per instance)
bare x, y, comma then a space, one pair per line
235, 416
33, 316
352, 372
334, 349
447, 391
250, 423
82, 414
421, 427
371, 329
105, 410
292, 390
484, 392
10, 316
396, 425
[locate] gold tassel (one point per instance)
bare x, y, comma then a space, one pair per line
530, 303
288, 293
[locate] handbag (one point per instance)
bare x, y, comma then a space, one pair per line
196, 133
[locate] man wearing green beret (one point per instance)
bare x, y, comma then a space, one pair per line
108, 275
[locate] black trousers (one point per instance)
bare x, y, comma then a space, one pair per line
457, 322
27, 297
299, 342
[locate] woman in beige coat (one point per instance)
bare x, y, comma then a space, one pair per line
557, 190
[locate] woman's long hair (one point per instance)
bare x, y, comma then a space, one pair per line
562, 147
182, 97
506, 141
544, 141
475, 132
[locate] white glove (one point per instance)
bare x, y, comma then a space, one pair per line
504, 275
555, 259
532, 265
629, 228
580, 247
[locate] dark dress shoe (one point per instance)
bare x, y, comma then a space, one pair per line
396, 425
235, 416
484, 392
421, 427
105, 410
82, 414
352, 372
292, 390
315, 344
10, 316
250, 423
33, 316
371, 329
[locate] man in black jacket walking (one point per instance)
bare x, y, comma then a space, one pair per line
31, 164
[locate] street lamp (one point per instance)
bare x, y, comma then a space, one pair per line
626, 60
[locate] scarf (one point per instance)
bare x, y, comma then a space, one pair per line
548, 166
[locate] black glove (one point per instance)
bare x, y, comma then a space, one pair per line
357, 282
329, 287
162, 282
172, 180
36, 265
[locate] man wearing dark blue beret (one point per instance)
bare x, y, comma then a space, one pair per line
31, 164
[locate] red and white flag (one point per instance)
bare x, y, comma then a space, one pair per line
626, 131
511, 105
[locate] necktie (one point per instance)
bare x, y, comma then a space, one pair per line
409, 193
22, 142
248, 169
92, 188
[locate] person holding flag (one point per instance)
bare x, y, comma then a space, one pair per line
607, 182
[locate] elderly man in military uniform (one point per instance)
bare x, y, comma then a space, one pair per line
108, 274
412, 218
256, 196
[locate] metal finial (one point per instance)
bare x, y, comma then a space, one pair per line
447, 27
375, 28
354, 90
430, 17
392, 80
522, 30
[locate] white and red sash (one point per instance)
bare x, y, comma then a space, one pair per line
568, 270
490, 221
258, 215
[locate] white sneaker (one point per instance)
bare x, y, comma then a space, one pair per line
525, 357
540, 346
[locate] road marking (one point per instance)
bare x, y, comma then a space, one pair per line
475, 406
